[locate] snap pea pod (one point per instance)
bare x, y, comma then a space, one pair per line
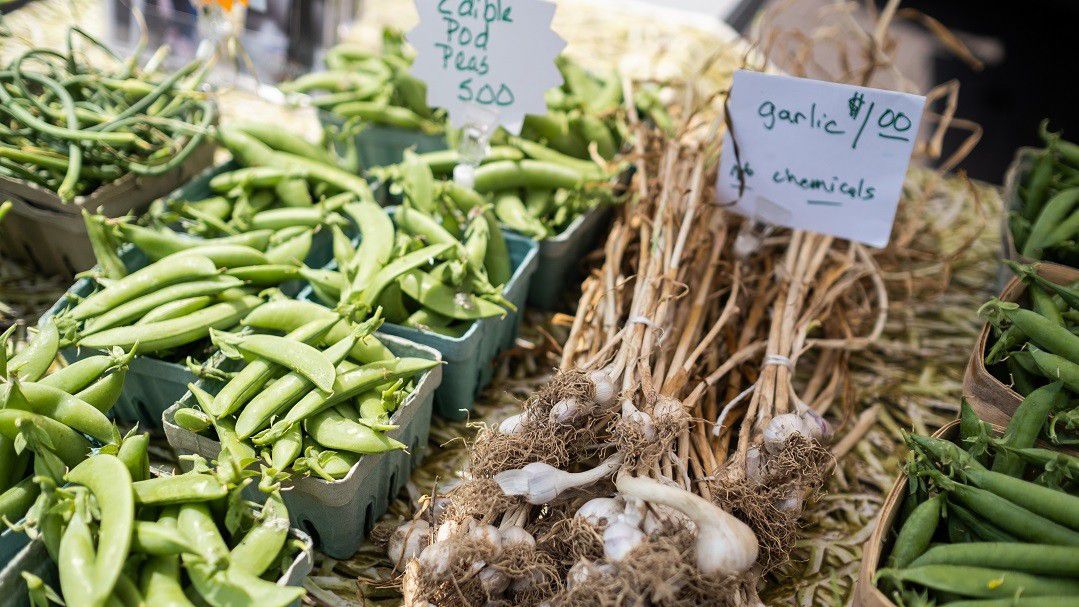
285, 391
158, 244
178, 489
1039, 559
62, 407
282, 140
1040, 330
159, 582
349, 384
397, 268
138, 307
287, 315
134, 453
250, 380
176, 332
159, 539
152, 277
16, 501
259, 548
31, 363
1028, 601
916, 533
386, 114
226, 430
1012, 518
376, 247
442, 161
227, 255
292, 251
76, 562
70, 446
193, 420
986, 532
417, 223
511, 212
503, 175
294, 355
330, 429
106, 390
981, 582
446, 300
1055, 211
110, 483
78, 374
1056, 368
265, 276
1024, 427
176, 309
1030, 275
537, 151
286, 449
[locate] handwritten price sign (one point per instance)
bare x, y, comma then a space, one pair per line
486, 61
818, 156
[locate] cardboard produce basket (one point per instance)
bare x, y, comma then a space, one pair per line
33, 558
339, 515
994, 401
50, 236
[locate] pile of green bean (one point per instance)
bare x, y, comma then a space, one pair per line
51, 422
419, 269
974, 531
533, 190
71, 126
311, 391
364, 87
1046, 224
120, 536
1035, 343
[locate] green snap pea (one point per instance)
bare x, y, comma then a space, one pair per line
140, 306
328, 284
397, 268
985, 531
285, 391
1040, 330
1055, 211
226, 430
228, 255
70, 446
496, 258
176, 332
78, 374
417, 223
511, 211
152, 277
385, 114
158, 244
262, 544
441, 162
283, 141
1056, 368
159, 539
17, 500
376, 247
110, 483
159, 582
342, 247
505, 175
1042, 303
197, 524
1030, 275
293, 355
249, 178
178, 489
33, 361
1037, 186
446, 300
1012, 518
193, 420
286, 449
292, 251
76, 562
269, 275
106, 391
64, 408
916, 533
176, 309
1024, 427
541, 152
134, 453
1039, 559
287, 315
330, 429
1027, 601
251, 379
981, 582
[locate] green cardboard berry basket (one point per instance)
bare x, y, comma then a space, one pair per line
33, 558
339, 515
470, 357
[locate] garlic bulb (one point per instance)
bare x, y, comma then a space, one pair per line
602, 387
488, 534
634, 511
583, 571
408, 540
541, 483
619, 539
517, 536
639, 420
816, 426
564, 411
513, 424
600, 511
449, 529
526, 582
667, 407
435, 559
439, 507
781, 428
494, 582
754, 465
724, 544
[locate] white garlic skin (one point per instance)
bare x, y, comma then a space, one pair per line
817, 427
435, 559
494, 582
780, 429
602, 387
600, 511
619, 539
564, 411
488, 534
517, 536
513, 424
754, 464
634, 511
538, 482
408, 541
667, 407
583, 570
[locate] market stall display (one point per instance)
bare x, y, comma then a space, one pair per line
1042, 191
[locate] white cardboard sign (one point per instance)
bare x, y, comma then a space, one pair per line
486, 61
818, 156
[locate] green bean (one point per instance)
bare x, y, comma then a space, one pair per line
1054, 212
333, 430
349, 384
31, 363
285, 391
176, 332
445, 299
981, 582
1040, 559
64, 408
178, 489
1040, 330
152, 277
260, 547
1024, 427
142, 305
916, 533
110, 483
